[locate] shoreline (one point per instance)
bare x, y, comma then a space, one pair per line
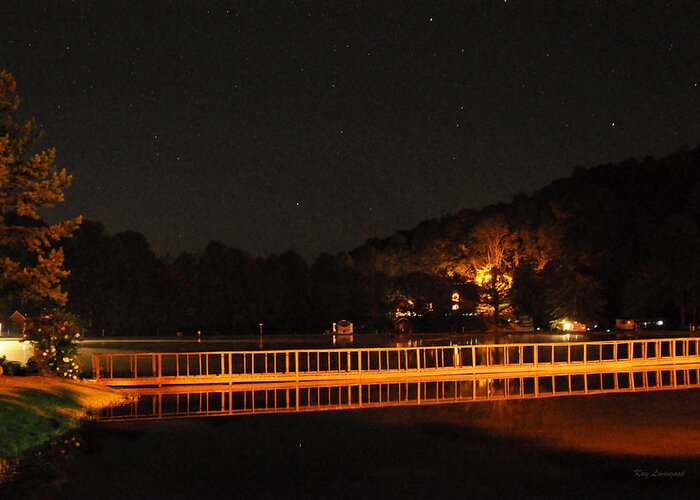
35, 409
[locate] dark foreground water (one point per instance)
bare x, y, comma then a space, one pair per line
644, 445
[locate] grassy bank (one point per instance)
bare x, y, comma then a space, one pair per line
33, 410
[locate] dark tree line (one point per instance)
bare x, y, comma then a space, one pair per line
607, 242
119, 286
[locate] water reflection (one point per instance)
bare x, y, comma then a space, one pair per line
243, 399
341, 341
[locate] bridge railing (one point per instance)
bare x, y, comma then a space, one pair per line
235, 366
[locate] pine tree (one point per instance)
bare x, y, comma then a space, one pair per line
31, 263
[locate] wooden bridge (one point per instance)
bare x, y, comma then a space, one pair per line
292, 397
236, 367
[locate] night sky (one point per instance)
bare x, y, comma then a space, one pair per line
316, 125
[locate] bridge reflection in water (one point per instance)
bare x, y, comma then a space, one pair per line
290, 397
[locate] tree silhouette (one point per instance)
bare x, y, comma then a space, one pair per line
670, 277
31, 264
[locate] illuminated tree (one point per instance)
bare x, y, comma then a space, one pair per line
494, 287
31, 266
55, 334
493, 253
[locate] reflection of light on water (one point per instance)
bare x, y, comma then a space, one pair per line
342, 340
240, 399
604, 424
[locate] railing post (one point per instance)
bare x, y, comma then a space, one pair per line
95, 366
296, 366
521, 352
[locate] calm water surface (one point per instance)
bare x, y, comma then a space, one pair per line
618, 445
638, 445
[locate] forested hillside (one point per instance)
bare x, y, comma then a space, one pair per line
607, 242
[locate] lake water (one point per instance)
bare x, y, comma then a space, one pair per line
616, 445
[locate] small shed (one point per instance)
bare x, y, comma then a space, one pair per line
343, 327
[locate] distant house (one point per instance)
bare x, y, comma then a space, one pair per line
455, 298
574, 326
568, 325
625, 324
403, 325
651, 323
16, 326
640, 324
